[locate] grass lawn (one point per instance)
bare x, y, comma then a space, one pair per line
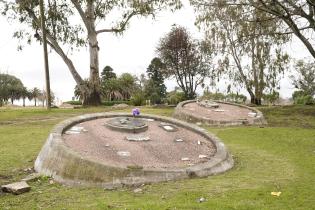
278, 157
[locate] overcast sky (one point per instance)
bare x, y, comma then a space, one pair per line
131, 52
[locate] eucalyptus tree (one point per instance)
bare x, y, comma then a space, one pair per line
183, 60
250, 53
304, 80
295, 16
78, 23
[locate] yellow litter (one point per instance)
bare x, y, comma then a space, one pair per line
276, 193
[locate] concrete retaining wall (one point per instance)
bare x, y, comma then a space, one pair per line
181, 114
69, 167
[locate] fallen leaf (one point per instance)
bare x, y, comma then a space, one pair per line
276, 193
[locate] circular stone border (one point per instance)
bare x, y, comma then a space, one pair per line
68, 167
179, 113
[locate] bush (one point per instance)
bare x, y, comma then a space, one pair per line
304, 100
74, 102
175, 97
138, 99
213, 96
300, 97
112, 103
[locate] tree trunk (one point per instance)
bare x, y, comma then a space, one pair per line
35, 101
12, 100
255, 100
23, 102
93, 96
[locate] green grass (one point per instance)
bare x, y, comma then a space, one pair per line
278, 157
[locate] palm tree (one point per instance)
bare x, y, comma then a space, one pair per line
25, 94
35, 94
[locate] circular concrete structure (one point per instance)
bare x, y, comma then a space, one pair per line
85, 151
127, 124
226, 114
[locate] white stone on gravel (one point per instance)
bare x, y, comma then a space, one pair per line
16, 188
199, 142
168, 128
75, 130
179, 140
252, 114
148, 119
185, 159
138, 138
202, 156
123, 153
219, 110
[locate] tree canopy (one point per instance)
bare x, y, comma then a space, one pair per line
249, 51
78, 23
183, 60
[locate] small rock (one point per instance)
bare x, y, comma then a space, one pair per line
200, 200
31, 177
51, 182
106, 145
16, 188
202, 156
138, 190
185, 159
219, 110
198, 123
252, 114
199, 142
179, 140
109, 187
168, 128
138, 138
123, 153
148, 119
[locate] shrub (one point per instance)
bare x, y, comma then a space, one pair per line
111, 103
138, 99
300, 97
175, 97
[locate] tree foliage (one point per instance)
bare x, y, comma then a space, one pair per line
294, 16
304, 80
64, 29
183, 60
10, 88
154, 88
251, 53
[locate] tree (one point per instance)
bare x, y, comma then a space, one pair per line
305, 78
10, 88
183, 60
25, 94
43, 97
294, 17
251, 53
62, 32
111, 89
107, 73
128, 85
35, 93
155, 88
